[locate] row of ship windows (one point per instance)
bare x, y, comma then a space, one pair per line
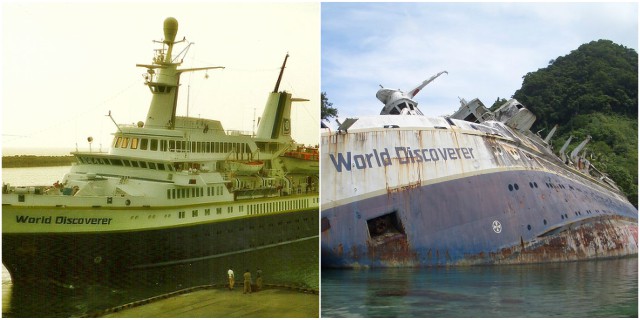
549, 185
179, 145
278, 206
127, 163
576, 213
535, 185
207, 212
255, 208
184, 193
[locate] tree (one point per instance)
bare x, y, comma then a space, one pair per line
591, 91
326, 109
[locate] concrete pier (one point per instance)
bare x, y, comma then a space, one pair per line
217, 302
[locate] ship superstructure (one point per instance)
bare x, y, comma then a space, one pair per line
171, 190
477, 187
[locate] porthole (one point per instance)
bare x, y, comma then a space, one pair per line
544, 221
510, 188
529, 227
515, 185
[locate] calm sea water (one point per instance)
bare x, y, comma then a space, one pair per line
606, 288
293, 264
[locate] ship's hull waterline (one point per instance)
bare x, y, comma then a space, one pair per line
439, 196
78, 258
459, 222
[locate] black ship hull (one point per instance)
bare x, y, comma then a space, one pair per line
74, 259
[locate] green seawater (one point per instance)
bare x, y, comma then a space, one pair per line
600, 288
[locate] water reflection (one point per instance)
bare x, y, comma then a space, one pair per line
607, 288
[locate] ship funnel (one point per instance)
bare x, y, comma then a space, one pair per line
275, 122
170, 30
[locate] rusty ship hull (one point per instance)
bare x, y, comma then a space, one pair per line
417, 191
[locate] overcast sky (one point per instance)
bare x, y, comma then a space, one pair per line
65, 65
486, 47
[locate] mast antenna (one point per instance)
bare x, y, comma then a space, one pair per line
114, 121
254, 122
281, 72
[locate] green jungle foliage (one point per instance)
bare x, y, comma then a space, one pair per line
591, 91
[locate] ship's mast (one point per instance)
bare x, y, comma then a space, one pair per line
281, 72
165, 83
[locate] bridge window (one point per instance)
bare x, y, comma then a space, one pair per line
154, 145
117, 142
134, 143
144, 144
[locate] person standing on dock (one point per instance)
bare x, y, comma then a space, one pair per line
232, 279
247, 281
259, 279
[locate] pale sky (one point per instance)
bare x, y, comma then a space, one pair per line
486, 47
66, 65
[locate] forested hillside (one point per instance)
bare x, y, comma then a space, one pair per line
591, 91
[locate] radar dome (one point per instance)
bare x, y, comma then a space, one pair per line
170, 29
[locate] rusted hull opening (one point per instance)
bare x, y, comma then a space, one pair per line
388, 242
384, 227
